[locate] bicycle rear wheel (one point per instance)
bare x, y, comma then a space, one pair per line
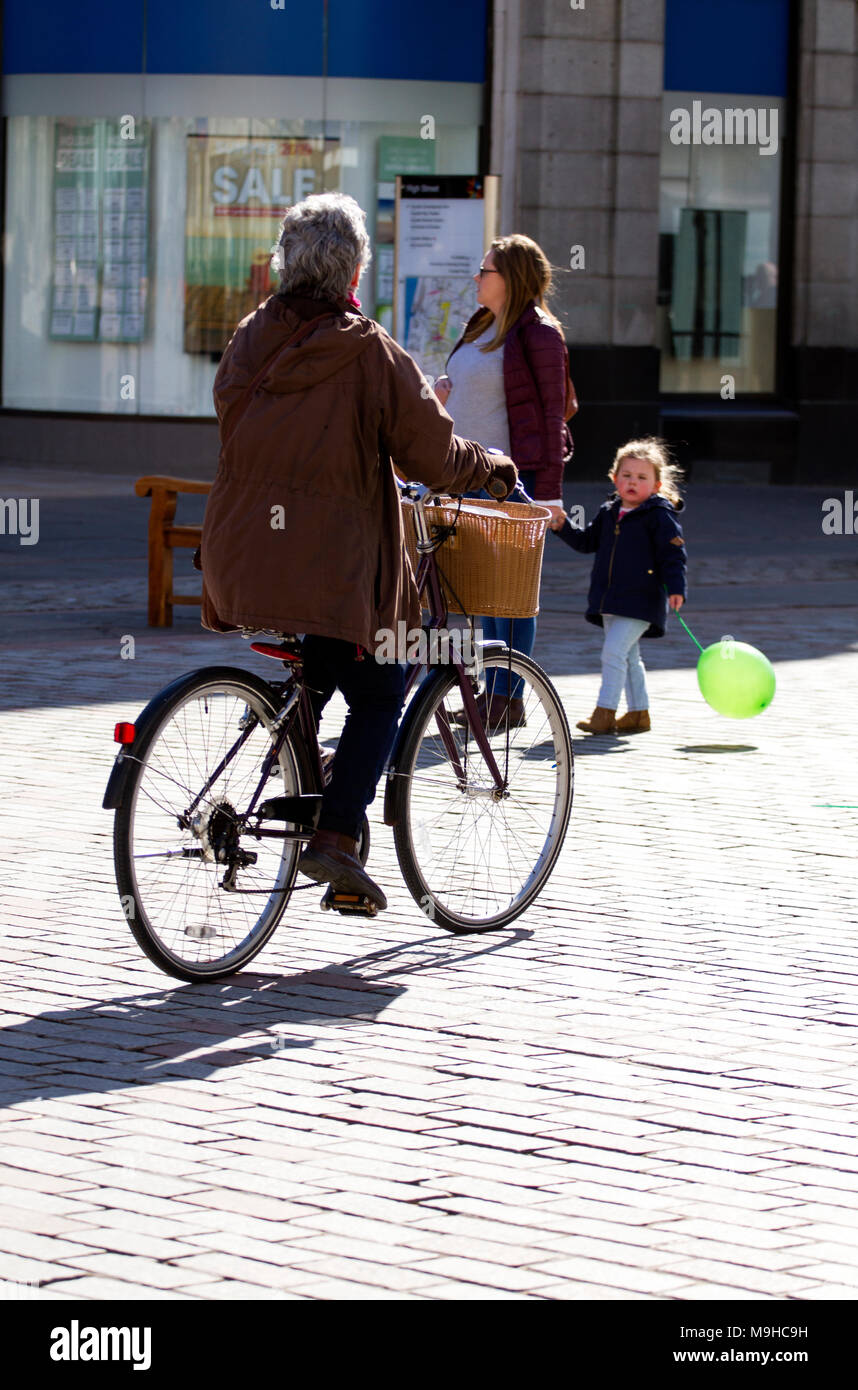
474, 856
201, 895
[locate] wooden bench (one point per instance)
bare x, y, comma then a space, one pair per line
164, 537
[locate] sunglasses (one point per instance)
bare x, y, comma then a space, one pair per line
487, 270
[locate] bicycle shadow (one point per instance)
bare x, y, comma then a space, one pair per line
193, 1031
717, 748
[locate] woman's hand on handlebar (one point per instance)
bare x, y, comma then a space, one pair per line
503, 478
558, 516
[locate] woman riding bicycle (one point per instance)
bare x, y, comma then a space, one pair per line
303, 531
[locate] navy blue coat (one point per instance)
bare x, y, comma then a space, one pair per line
635, 559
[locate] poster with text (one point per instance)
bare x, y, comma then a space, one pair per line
443, 227
238, 190
100, 278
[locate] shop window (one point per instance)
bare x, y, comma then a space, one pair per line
132, 253
719, 232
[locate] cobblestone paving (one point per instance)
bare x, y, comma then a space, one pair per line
645, 1088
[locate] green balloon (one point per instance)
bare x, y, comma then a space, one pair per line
735, 679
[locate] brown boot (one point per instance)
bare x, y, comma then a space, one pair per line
636, 721
332, 858
601, 721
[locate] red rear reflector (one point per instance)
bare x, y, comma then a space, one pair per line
123, 733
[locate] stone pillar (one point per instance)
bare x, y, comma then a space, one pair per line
579, 145
826, 263
825, 308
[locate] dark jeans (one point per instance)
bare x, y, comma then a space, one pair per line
375, 694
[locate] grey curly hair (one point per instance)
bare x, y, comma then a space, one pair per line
323, 241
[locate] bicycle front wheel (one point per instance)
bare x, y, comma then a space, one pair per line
473, 854
201, 894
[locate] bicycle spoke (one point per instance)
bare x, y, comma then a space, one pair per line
179, 879
476, 853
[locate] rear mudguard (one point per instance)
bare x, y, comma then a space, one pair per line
394, 788
145, 725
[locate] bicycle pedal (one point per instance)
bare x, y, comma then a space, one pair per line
353, 904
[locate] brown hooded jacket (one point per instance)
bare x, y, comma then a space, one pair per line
303, 530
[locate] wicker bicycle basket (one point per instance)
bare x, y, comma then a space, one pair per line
491, 563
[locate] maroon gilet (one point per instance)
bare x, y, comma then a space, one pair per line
534, 376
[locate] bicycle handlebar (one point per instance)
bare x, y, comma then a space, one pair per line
416, 492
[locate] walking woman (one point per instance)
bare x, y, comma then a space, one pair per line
506, 388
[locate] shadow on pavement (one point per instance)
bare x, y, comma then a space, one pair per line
717, 748
598, 745
140, 1039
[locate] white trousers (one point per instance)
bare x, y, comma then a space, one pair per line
622, 667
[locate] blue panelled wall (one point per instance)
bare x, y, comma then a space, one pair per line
374, 39
726, 46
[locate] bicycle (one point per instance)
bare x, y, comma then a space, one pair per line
479, 811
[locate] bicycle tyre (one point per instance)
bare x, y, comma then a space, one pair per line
438, 820
154, 910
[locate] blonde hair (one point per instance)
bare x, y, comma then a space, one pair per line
527, 272
656, 452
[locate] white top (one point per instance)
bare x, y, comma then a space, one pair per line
477, 399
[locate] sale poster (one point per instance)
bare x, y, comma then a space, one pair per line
238, 189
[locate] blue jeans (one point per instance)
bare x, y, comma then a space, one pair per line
519, 633
621, 663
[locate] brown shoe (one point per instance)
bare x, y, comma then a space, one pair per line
493, 712
601, 721
636, 721
332, 858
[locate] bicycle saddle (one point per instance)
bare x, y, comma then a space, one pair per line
289, 650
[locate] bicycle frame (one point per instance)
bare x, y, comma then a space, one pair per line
427, 578
233, 760
296, 708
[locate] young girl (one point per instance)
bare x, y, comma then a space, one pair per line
640, 560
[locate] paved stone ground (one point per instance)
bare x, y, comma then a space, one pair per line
645, 1089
